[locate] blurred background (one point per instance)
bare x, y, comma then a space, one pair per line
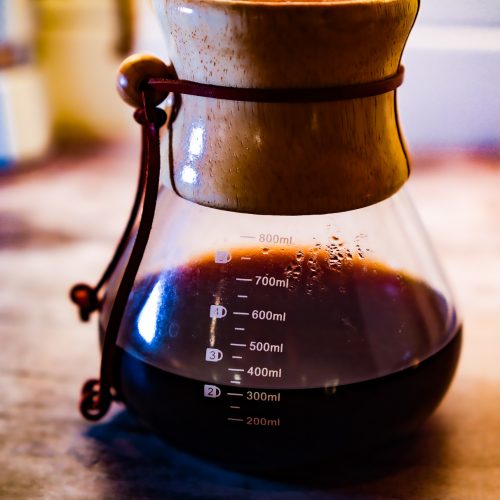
54, 50
451, 97
57, 74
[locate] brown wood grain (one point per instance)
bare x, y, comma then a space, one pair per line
338, 155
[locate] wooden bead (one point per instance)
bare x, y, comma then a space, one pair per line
135, 70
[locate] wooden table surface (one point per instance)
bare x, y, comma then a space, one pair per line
59, 224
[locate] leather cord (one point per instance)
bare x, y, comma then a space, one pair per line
290, 95
97, 395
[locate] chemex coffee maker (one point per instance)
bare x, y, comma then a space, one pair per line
273, 300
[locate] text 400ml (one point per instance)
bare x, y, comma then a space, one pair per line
263, 371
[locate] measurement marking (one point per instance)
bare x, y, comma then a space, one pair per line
239, 313
235, 407
244, 236
242, 296
236, 357
236, 369
239, 329
235, 381
244, 279
246, 258
235, 394
238, 345
235, 419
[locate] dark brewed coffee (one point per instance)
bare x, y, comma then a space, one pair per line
272, 358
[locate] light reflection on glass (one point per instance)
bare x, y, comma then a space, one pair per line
146, 322
189, 175
213, 323
196, 141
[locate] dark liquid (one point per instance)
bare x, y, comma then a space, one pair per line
362, 356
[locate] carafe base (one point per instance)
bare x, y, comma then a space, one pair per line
293, 428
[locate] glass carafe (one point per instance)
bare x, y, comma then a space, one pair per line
303, 336
287, 308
